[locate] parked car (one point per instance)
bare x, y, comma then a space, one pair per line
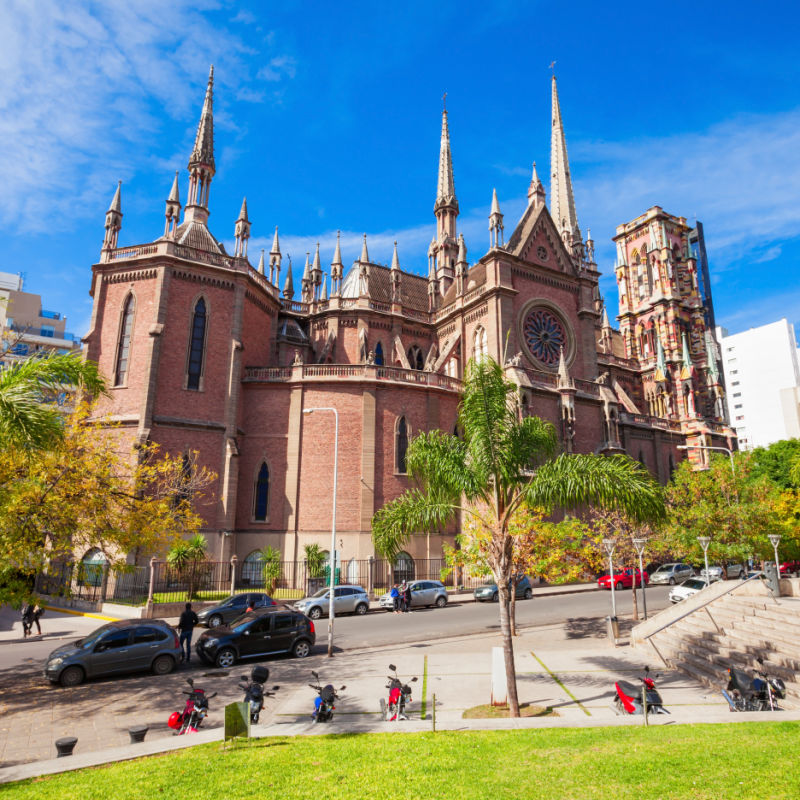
652, 567
672, 573
789, 567
423, 593
721, 572
233, 607
258, 633
687, 589
348, 599
622, 580
127, 645
489, 590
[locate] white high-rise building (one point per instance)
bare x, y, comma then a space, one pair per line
762, 378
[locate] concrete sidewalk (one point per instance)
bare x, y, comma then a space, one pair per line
568, 668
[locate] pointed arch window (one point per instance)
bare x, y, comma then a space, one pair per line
480, 346
401, 445
378, 357
197, 345
124, 343
415, 358
261, 496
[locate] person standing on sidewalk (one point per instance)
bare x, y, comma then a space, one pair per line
406, 598
27, 620
395, 595
37, 612
186, 626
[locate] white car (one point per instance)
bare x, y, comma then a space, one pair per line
687, 589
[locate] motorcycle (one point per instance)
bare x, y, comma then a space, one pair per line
324, 702
399, 697
194, 712
762, 693
629, 698
254, 692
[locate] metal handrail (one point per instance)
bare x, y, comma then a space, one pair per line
700, 607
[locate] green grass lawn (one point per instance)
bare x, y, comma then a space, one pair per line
723, 762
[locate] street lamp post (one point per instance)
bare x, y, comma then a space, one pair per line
775, 538
705, 541
639, 545
331, 604
609, 545
709, 447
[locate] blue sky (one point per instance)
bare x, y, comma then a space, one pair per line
327, 117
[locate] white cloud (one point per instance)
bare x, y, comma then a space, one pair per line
278, 68
79, 83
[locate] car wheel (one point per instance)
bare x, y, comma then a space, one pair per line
301, 648
495, 597
441, 602
71, 676
315, 613
163, 665
362, 609
672, 581
618, 585
214, 620
225, 658
528, 593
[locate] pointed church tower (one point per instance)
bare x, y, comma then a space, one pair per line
316, 274
241, 232
201, 162
495, 223
562, 201
173, 211
446, 211
113, 220
275, 260
536, 193
395, 277
306, 293
337, 268
288, 287
261, 263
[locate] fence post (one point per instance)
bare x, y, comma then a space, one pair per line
234, 561
104, 583
370, 578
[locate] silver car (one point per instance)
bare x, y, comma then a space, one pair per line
672, 573
423, 593
348, 599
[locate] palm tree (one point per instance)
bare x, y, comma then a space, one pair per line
271, 567
184, 558
502, 463
29, 415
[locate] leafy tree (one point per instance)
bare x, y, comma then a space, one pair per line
315, 560
189, 558
776, 462
271, 567
735, 509
30, 417
89, 490
503, 463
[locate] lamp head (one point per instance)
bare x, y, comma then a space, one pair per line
705, 541
609, 545
774, 539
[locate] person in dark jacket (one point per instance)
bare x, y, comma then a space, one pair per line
27, 620
407, 598
186, 626
37, 612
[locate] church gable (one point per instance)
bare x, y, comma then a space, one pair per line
536, 240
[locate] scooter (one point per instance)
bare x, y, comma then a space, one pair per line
399, 697
254, 692
629, 699
194, 712
744, 693
324, 702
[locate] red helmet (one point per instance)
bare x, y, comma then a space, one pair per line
174, 720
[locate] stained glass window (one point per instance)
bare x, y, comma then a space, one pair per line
545, 335
197, 345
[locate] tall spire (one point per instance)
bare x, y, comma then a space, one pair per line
242, 231
561, 197
261, 262
201, 161
324, 293
337, 267
288, 287
364, 254
275, 260
564, 378
395, 259
116, 200
173, 211
394, 276
446, 190
495, 223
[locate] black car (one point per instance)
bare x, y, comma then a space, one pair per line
255, 634
233, 607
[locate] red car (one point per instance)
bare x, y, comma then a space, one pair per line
622, 580
789, 567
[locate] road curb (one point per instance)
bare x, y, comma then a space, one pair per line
77, 613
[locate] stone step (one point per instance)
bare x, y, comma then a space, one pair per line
779, 617
758, 640
778, 640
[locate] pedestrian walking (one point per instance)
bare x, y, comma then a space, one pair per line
27, 620
37, 612
394, 593
186, 626
407, 598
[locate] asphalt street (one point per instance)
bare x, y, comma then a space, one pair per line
578, 612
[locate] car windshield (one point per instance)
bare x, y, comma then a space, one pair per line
321, 593
694, 583
240, 624
666, 567
489, 583
89, 641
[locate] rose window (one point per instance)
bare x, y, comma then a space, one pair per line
545, 335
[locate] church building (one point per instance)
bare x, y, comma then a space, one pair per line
206, 352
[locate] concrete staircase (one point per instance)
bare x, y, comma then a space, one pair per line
726, 626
